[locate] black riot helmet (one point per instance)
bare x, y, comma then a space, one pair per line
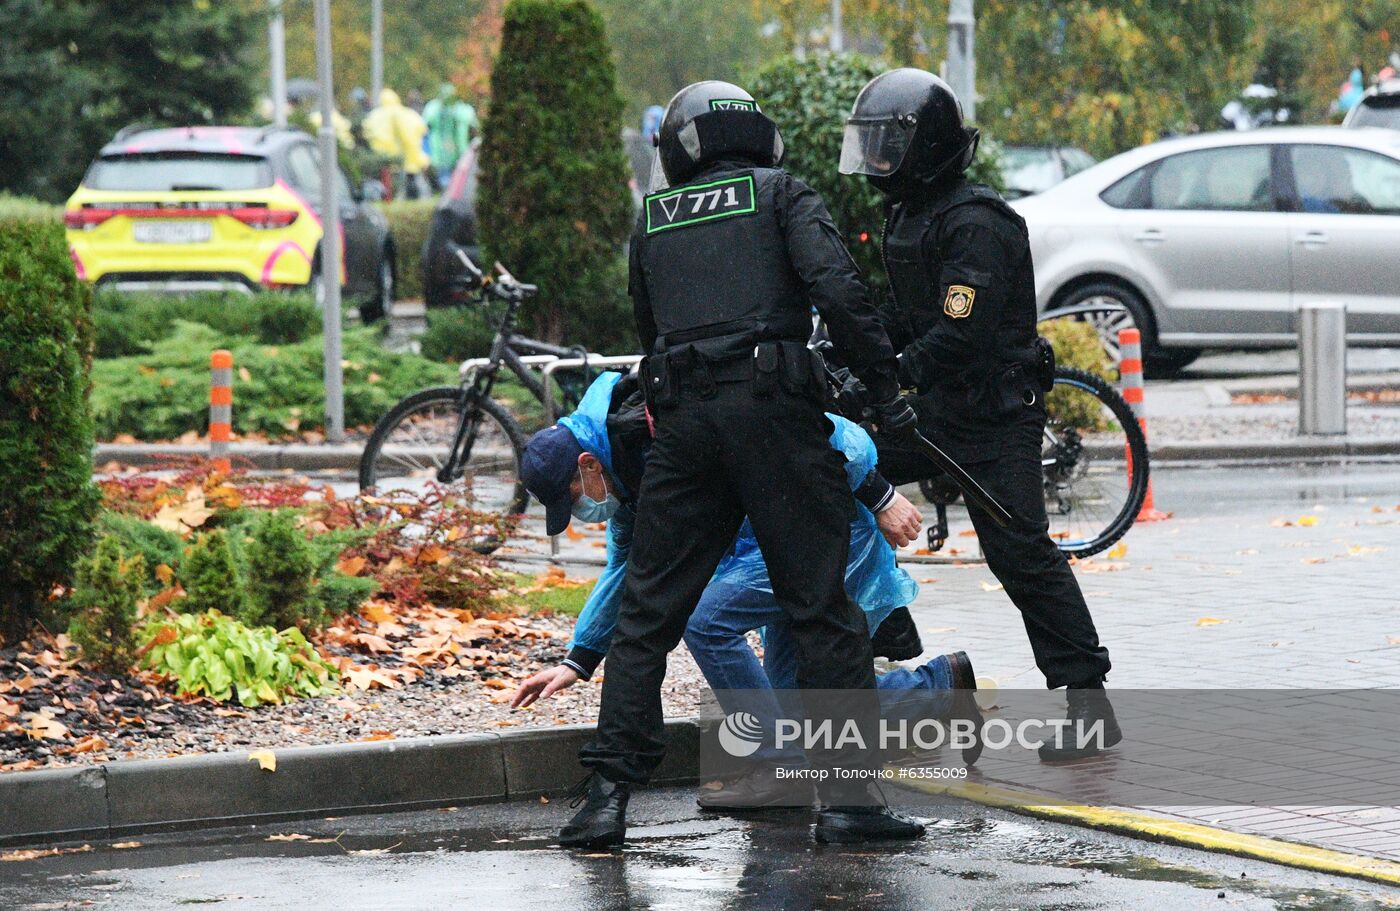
707, 121
906, 131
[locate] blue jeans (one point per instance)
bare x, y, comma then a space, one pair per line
716, 636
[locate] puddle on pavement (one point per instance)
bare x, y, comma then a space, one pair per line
689, 863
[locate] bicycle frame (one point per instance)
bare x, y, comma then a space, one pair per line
519, 354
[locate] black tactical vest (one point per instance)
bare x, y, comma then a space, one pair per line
715, 264
914, 271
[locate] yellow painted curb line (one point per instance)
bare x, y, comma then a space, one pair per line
1160, 828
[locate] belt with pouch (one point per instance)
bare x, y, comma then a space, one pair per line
768, 365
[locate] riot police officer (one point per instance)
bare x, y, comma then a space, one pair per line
726, 264
962, 315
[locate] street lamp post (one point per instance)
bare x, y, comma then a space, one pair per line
277, 62
376, 49
330, 236
962, 58
838, 40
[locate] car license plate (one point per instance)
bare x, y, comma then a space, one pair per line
173, 232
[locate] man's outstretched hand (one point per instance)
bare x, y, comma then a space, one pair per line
543, 685
900, 522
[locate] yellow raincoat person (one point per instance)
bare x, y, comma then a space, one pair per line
340, 122
396, 131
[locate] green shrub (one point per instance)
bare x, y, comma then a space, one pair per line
457, 333
280, 570
164, 394
409, 220
130, 324
25, 209
809, 99
47, 499
103, 605
153, 544
1076, 344
339, 594
210, 577
214, 655
554, 204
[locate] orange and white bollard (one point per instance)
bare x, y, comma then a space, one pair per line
220, 408
1130, 378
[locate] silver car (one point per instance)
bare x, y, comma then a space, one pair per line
1213, 241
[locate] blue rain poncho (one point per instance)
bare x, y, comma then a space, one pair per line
873, 580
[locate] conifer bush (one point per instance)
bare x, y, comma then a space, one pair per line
209, 575
103, 607
280, 570
554, 202
47, 499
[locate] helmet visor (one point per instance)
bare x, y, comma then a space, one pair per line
874, 147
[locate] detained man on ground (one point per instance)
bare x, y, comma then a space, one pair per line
577, 469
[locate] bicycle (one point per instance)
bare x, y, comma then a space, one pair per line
452, 434
1094, 458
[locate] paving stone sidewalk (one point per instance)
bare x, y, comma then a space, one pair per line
1279, 592
1267, 595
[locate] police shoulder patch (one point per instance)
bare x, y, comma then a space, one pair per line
698, 203
958, 303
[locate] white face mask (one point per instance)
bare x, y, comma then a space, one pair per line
587, 509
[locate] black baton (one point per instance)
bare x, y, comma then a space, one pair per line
973, 492
847, 390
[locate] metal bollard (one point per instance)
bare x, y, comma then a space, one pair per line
1322, 368
220, 408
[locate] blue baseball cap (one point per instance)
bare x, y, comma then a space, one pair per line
551, 459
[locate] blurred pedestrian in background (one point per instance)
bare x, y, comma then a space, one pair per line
451, 123
397, 132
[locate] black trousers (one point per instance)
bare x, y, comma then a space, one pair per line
718, 457
1033, 571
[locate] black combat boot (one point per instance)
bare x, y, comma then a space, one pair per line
965, 706
872, 820
602, 823
1088, 706
851, 825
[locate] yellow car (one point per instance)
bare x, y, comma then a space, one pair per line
220, 208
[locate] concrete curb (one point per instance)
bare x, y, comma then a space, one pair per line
262, 456
346, 457
1301, 449
121, 798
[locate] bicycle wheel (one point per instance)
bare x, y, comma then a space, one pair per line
412, 442
1095, 463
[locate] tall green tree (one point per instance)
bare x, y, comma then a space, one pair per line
76, 71
422, 42
662, 46
47, 498
1108, 75
554, 204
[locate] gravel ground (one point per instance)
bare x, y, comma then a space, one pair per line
434, 704
1260, 422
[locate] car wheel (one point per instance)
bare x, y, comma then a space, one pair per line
1135, 314
379, 302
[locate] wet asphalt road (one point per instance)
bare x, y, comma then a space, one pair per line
500, 858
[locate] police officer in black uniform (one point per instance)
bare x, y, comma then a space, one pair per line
727, 263
962, 315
